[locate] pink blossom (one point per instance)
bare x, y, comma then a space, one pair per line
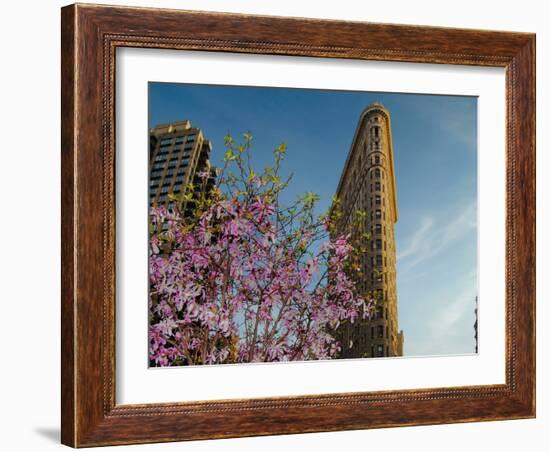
234, 284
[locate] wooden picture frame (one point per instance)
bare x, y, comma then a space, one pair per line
90, 36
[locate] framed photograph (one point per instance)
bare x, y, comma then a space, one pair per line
282, 225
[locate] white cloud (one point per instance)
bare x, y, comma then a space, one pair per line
438, 321
450, 328
435, 235
417, 240
446, 320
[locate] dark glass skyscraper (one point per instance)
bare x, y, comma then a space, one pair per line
178, 153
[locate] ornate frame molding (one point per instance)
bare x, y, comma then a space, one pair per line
90, 36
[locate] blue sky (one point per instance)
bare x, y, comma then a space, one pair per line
435, 153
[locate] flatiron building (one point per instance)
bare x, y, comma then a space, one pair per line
367, 184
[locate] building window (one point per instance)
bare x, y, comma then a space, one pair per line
378, 214
380, 331
377, 200
166, 141
379, 259
378, 228
377, 160
372, 332
380, 350
377, 172
377, 186
380, 312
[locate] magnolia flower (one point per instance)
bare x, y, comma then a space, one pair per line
232, 285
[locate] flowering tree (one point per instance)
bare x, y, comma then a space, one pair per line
237, 277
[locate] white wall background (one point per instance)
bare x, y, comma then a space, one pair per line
29, 122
